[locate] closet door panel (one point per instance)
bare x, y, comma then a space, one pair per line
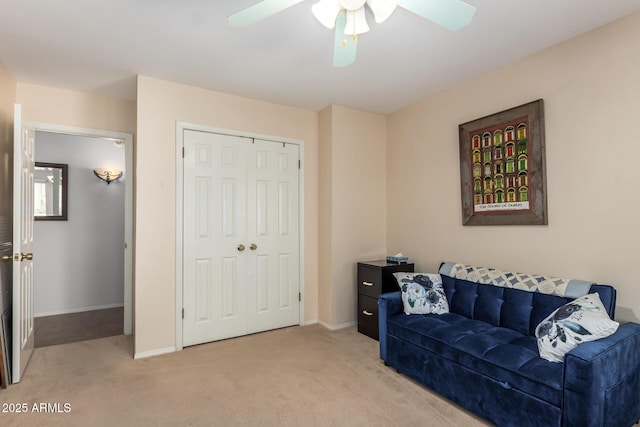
215, 218
273, 227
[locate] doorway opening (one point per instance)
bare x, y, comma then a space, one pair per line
83, 274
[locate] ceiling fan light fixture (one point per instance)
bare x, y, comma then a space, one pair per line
382, 9
352, 5
356, 22
348, 17
326, 11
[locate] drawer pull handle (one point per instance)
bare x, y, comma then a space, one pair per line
367, 283
367, 313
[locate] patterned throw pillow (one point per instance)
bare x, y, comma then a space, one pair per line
582, 320
422, 293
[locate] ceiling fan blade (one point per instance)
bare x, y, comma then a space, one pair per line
451, 14
259, 11
344, 48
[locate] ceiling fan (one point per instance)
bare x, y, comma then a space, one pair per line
348, 17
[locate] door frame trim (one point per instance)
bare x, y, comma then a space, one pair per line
129, 248
180, 128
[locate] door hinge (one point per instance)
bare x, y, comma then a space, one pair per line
183, 313
183, 152
299, 296
299, 164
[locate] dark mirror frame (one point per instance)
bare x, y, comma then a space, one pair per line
65, 183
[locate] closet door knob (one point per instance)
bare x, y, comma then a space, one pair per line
240, 247
253, 247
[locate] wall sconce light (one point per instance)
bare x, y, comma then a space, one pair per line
108, 175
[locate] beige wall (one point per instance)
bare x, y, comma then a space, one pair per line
160, 105
44, 104
7, 99
591, 90
353, 205
325, 209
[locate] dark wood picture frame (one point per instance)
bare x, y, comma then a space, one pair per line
64, 191
502, 168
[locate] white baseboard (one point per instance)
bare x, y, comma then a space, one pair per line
309, 322
77, 310
151, 353
338, 326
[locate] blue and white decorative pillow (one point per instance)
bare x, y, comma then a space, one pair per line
581, 320
422, 293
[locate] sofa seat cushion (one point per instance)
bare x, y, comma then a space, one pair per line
500, 353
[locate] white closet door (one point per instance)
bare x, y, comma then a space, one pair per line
274, 236
241, 233
215, 225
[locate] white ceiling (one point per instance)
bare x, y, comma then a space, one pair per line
99, 46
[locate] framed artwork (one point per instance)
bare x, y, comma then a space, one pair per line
502, 168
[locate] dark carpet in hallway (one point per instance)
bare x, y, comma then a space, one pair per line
74, 327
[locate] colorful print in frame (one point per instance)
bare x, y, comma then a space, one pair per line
502, 168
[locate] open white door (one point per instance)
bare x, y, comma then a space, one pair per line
23, 165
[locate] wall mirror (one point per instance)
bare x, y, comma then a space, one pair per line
50, 191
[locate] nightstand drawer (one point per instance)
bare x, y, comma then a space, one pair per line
368, 316
369, 281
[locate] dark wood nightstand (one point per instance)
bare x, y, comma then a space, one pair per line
375, 278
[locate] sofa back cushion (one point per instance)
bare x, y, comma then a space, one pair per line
508, 307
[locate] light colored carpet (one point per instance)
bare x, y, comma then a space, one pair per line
300, 376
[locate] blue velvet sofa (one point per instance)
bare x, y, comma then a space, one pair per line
483, 356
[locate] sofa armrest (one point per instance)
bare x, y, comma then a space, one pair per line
602, 380
388, 305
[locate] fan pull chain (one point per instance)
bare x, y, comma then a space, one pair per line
344, 41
